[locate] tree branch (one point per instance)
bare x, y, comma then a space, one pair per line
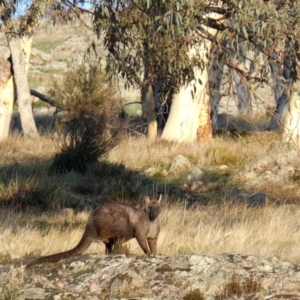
73, 7
219, 10
43, 98
213, 23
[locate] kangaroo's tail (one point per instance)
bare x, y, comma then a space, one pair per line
84, 243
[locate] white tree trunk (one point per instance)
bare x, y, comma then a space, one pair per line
190, 113
20, 51
183, 121
291, 124
6, 98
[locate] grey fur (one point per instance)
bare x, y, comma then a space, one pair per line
114, 223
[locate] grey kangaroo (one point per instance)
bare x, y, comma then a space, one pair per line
114, 223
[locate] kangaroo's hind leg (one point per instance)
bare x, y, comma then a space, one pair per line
109, 246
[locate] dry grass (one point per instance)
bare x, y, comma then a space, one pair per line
214, 228
271, 231
139, 152
231, 229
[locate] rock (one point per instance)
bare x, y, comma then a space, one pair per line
287, 158
150, 171
77, 265
158, 277
196, 185
223, 167
180, 163
274, 169
196, 174
164, 173
34, 293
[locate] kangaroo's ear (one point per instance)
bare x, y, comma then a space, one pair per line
147, 199
159, 199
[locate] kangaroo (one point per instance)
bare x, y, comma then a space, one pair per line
114, 223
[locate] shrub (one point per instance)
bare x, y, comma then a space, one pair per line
194, 295
238, 287
84, 144
86, 99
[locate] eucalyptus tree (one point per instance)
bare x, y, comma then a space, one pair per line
168, 42
272, 27
19, 20
164, 47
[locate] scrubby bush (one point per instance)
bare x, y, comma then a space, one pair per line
238, 287
194, 295
86, 99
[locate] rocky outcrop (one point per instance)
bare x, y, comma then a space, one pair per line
281, 168
228, 276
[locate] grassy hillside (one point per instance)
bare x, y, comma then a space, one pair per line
211, 220
215, 218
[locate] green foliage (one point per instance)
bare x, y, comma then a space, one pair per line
268, 28
152, 35
267, 24
84, 87
85, 95
157, 36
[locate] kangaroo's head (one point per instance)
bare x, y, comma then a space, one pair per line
152, 207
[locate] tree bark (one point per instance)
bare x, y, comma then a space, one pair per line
184, 118
149, 103
43, 98
148, 106
243, 94
241, 86
291, 128
205, 130
281, 75
20, 51
216, 71
6, 97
